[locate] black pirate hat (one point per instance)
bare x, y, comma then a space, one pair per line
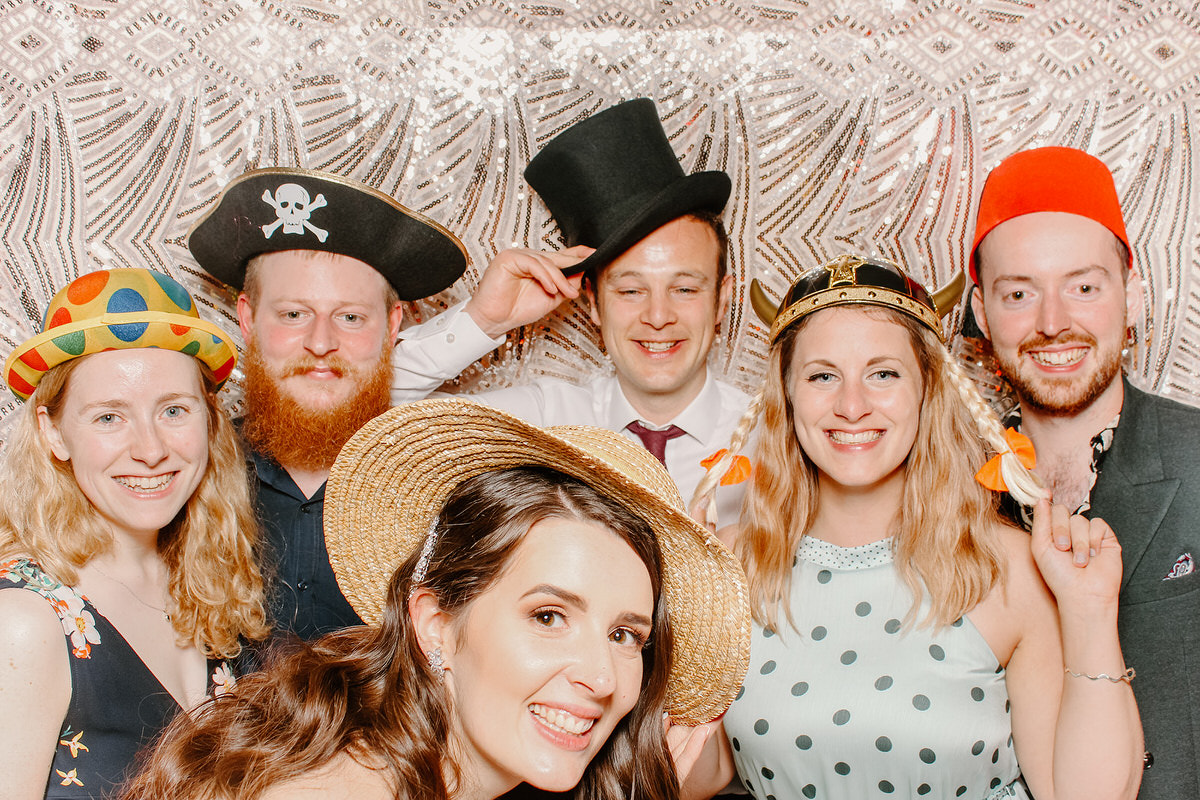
280, 208
613, 179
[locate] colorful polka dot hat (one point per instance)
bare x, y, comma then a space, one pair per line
118, 309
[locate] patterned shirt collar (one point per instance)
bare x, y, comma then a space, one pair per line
1101, 443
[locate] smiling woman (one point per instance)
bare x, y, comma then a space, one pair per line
910, 643
126, 528
524, 625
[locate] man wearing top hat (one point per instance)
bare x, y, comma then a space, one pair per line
650, 241
1056, 289
322, 264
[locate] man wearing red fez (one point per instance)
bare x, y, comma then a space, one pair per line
1057, 287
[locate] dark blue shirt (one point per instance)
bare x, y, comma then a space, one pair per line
302, 594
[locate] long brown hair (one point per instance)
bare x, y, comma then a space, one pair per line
215, 587
370, 693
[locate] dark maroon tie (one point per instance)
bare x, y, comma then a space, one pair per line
655, 441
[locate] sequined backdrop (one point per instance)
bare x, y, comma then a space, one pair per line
865, 125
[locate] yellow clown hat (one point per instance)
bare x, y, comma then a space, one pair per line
118, 309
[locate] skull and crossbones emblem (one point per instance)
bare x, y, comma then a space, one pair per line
293, 209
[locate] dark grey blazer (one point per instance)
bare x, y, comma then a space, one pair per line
1148, 491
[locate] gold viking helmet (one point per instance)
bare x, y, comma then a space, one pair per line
857, 280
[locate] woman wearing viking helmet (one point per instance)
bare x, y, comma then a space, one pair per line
908, 642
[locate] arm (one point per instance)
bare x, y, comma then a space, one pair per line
35, 690
1075, 737
518, 287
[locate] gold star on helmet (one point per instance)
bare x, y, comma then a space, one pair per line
842, 270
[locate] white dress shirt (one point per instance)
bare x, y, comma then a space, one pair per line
436, 351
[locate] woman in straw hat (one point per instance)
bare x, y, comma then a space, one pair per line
535, 599
126, 527
908, 642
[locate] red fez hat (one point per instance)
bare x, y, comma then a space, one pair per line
1048, 179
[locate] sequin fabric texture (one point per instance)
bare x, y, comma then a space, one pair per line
860, 125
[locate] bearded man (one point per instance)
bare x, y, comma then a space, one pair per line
323, 264
1057, 289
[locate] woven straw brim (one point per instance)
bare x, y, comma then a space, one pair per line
392, 478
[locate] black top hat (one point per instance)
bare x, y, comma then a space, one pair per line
281, 208
613, 179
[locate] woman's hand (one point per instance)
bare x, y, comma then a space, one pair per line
703, 763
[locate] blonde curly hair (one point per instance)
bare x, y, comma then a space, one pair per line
209, 548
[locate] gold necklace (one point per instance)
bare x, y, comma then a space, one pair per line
133, 594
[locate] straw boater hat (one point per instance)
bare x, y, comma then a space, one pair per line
613, 179
118, 309
285, 208
1059, 179
392, 478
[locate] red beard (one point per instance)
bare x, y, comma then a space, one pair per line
303, 438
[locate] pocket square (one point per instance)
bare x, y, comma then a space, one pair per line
1184, 565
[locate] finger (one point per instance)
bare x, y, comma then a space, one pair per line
686, 746
564, 285
1081, 539
1101, 536
1060, 526
1039, 532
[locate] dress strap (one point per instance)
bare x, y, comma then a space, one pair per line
72, 608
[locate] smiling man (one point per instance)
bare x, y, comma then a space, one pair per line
322, 264
1056, 291
650, 241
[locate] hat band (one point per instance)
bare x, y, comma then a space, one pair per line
126, 318
856, 295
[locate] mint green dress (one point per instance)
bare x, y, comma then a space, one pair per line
854, 705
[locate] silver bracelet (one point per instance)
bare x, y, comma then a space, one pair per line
1127, 676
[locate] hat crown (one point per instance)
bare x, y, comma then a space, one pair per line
593, 175
288, 208
856, 280
116, 292
1062, 179
115, 310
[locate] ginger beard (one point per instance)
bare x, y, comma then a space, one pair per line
1059, 397
293, 435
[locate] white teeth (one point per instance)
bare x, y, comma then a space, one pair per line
561, 720
1058, 358
145, 484
862, 437
658, 347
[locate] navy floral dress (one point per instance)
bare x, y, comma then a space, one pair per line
117, 705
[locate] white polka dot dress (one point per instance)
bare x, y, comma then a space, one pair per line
855, 706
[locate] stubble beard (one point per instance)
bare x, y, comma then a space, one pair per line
293, 435
1059, 397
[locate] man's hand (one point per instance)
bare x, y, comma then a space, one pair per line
1079, 558
521, 286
